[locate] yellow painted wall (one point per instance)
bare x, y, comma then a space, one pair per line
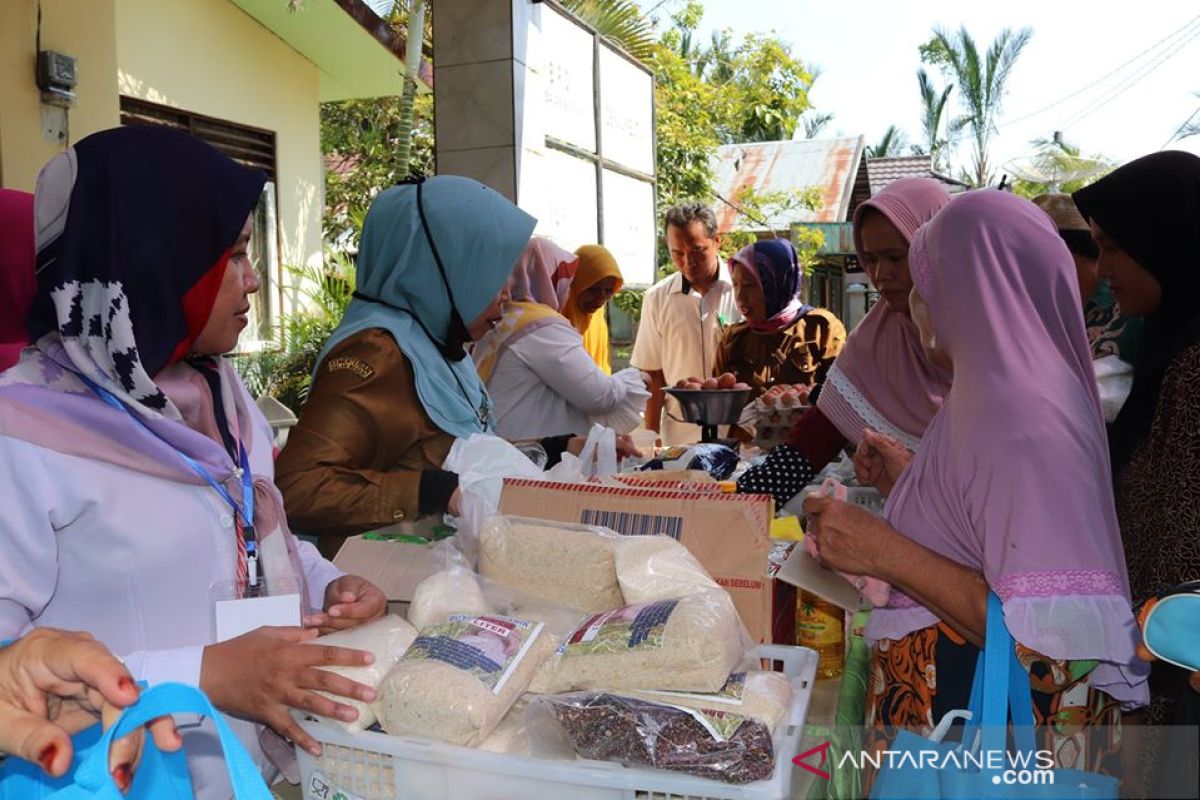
85, 29
209, 57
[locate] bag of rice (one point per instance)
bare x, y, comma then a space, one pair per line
387, 639
452, 591
657, 568
758, 695
687, 644
571, 565
608, 727
460, 677
509, 736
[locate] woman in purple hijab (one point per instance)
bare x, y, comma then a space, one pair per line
1008, 492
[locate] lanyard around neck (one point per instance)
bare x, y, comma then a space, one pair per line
245, 511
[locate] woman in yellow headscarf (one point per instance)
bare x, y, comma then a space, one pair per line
596, 280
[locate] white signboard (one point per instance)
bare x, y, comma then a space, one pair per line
629, 226
567, 75
626, 112
566, 205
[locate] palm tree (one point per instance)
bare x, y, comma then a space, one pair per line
619, 20
933, 120
815, 123
981, 80
892, 144
412, 76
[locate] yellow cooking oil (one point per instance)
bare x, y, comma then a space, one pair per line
821, 626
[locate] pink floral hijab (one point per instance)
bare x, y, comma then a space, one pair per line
1012, 475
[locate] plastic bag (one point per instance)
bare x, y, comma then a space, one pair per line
610, 727
386, 639
628, 415
717, 460
597, 459
509, 736
571, 565
451, 591
1114, 378
758, 695
460, 677
656, 568
688, 644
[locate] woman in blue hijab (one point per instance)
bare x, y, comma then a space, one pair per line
394, 386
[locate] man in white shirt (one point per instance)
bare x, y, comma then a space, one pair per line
682, 318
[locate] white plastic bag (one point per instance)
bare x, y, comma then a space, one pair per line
597, 459
1114, 378
482, 462
628, 415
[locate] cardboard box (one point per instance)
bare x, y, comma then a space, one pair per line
395, 567
728, 534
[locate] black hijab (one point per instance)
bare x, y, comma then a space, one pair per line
1151, 208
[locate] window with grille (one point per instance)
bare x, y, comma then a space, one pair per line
255, 148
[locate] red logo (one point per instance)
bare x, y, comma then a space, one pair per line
823, 749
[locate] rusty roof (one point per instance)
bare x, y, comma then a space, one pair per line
828, 164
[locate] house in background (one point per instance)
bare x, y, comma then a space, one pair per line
845, 177
245, 75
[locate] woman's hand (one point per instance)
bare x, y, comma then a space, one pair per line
849, 538
56, 683
349, 602
454, 507
880, 460
260, 674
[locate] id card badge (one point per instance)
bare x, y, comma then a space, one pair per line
272, 602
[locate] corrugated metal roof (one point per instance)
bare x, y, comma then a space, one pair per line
829, 164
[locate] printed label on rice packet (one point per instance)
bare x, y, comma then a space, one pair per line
628, 628
489, 647
729, 694
321, 788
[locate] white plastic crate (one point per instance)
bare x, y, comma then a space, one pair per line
375, 766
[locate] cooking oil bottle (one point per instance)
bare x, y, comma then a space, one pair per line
821, 626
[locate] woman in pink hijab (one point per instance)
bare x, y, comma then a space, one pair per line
1008, 492
17, 282
881, 381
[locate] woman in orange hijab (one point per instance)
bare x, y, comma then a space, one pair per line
597, 279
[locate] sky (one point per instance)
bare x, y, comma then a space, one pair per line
868, 54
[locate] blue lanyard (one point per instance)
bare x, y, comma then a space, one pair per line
246, 512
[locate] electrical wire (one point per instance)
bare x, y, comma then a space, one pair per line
1076, 93
1181, 128
1132, 80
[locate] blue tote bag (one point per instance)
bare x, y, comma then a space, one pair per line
159, 775
1000, 692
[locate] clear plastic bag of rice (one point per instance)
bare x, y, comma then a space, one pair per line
452, 591
460, 677
570, 565
687, 644
759, 695
607, 726
509, 736
387, 639
656, 568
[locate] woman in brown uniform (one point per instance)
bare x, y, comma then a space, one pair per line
394, 387
782, 340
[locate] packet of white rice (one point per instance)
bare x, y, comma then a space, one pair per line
569, 565
387, 639
460, 677
688, 644
452, 591
653, 568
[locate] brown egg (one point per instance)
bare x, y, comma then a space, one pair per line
726, 381
710, 383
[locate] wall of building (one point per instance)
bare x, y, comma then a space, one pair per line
211, 58
32, 133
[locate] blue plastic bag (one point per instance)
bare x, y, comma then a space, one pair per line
159, 775
1000, 689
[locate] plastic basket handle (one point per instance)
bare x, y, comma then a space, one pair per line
93, 779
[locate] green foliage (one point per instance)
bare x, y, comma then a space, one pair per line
285, 370
1055, 156
892, 143
756, 209
619, 20
981, 79
940, 132
630, 302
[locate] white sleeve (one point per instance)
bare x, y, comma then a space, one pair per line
556, 354
319, 572
647, 348
29, 567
